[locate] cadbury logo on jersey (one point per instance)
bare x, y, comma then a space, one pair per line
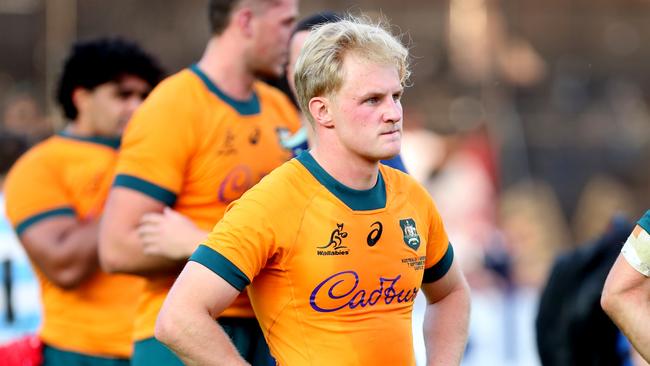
340, 291
335, 245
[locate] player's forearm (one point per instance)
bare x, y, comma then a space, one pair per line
629, 309
626, 299
120, 251
446, 324
63, 248
72, 257
632, 315
196, 338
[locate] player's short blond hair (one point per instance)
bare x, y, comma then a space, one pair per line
319, 68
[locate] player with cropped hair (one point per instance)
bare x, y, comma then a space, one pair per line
203, 137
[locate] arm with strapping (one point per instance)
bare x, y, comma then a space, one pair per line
446, 318
626, 295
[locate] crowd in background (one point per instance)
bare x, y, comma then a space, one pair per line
527, 157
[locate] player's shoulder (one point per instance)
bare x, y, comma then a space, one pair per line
45, 156
178, 87
179, 95
48, 150
284, 188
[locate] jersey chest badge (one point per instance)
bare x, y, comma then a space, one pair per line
410, 233
335, 246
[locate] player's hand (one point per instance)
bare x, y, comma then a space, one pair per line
169, 234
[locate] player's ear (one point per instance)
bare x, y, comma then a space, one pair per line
243, 19
80, 98
319, 107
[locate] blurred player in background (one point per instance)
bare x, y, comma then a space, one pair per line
54, 199
204, 136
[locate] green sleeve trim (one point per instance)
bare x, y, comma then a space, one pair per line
644, 221
25, 224
152, 190
438, 270
220, 265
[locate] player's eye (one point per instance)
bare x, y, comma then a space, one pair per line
372, 100
126, 94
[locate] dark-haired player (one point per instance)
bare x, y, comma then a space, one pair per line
54, 200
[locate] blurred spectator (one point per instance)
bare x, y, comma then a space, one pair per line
450, 163
12, 258
23, 117
12, 146
19, 312
534, 230
602, 198
54, 199
571, 327
481, 48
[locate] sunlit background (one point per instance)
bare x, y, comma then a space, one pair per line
528, 121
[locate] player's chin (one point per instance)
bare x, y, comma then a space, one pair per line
270, 71
389, 151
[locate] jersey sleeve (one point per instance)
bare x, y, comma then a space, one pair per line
440, 253
244, 241
35, 192
156, 145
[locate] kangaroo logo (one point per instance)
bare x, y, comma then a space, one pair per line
336, 239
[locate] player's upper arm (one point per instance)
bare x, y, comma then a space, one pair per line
452, 280
197, 290
152, 161
40, 208
61, 249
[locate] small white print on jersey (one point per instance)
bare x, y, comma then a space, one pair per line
417, 263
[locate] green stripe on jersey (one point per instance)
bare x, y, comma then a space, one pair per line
152, 190
438, 270
220, 265
62, 211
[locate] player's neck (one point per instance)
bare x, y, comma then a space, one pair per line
80, 128
224, 64
349, 169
